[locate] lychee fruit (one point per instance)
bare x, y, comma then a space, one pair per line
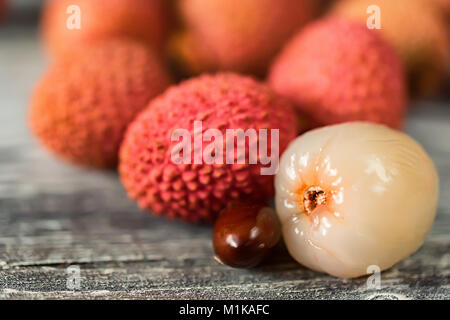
443, 6
415, 30
196, 189
236, 35
338, 71
83, 104
354, 198
66, 24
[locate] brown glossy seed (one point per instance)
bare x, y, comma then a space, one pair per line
244, 234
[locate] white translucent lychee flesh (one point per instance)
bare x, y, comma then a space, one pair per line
354, 195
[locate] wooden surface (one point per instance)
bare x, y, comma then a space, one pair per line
53, 215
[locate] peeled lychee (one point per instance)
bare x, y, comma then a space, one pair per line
198, 189
337, 71
144, 20
84, 102
417, 32
355, 197
236, 35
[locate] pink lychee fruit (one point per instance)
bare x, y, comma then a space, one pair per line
197, 189
84, 102
338, 71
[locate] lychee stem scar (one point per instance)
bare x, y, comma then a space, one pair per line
313, 197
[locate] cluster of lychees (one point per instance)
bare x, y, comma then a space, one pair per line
106, 102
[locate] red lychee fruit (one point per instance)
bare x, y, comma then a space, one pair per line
336, 71
416, 30
198, 190
443, 6
144, 20
84, 102
236, 35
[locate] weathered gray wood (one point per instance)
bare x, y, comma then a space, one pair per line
53, 215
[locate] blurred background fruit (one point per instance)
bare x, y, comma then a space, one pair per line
2, 9
236, 35
418, 33
84, 102
145, 20
442, 6
337, 71
198, 191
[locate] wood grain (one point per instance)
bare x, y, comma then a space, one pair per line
53, 215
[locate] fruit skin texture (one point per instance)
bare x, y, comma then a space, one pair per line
83, 104
197, 192
415, 30
379, 202
236, 35
336, 71
144, 20
245, 233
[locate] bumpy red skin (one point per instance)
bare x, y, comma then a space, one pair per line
144, 20
238, 35
336, 71
196, 192
83, 104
